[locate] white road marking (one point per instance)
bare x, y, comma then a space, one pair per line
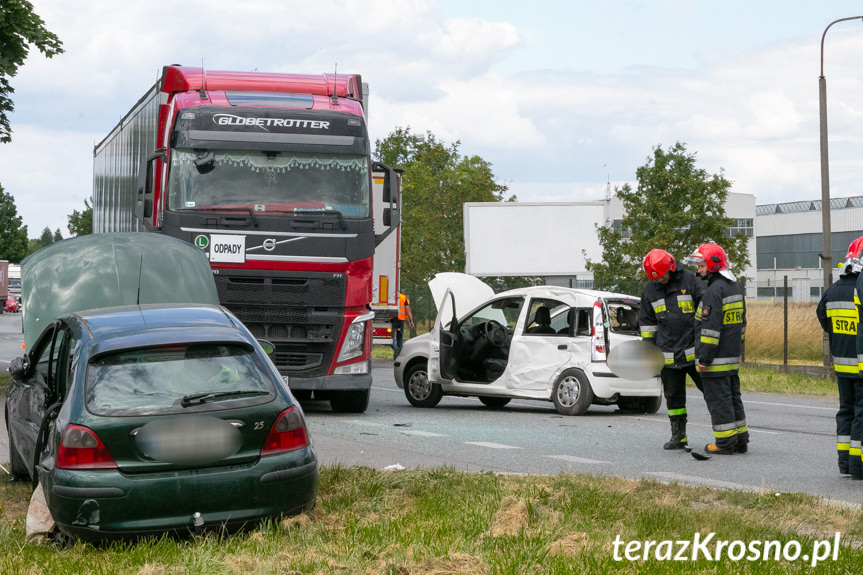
423, 433
747, 402
491, 445
575, 459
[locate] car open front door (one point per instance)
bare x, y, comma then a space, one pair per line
442, 341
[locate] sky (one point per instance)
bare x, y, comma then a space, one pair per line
565, 98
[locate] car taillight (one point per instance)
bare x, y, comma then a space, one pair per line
81, 448
598, 351
288, 433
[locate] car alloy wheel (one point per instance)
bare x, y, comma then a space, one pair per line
419, 391
572, 394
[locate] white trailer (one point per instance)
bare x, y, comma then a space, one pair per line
387, 265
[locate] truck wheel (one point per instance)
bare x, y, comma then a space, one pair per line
493, 402
572, 394
351, 401
418, 389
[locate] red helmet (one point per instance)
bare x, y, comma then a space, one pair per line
852, 258
713, 255
657, 263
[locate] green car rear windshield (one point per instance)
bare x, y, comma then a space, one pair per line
176, 379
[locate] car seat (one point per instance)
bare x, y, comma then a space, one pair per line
542, 317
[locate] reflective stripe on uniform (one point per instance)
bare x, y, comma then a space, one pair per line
846, 364
834, 307
710, 336
658, 305
648, 331
724, 364
690, 354
681, 411
669, 357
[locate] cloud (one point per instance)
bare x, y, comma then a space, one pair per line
554, 126
49, 175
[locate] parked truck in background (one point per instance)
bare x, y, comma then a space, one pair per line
14, 279
386, 282
271, 175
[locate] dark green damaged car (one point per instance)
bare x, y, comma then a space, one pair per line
152, 416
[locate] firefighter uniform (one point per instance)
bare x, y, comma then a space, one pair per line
838, 316
720, 327
666, 318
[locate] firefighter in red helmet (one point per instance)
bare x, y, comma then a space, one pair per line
838, 315
667, 318
720, 325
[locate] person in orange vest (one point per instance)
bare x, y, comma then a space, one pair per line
398, 323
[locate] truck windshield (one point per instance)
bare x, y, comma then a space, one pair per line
268, 182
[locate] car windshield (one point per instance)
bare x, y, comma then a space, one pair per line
267, 182
163, 379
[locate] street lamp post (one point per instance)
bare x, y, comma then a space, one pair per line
826, 254
827, 250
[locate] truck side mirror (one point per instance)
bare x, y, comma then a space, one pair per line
391, 217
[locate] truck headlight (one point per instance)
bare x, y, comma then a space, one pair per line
355, 339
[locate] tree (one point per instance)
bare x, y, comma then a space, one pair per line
676, 207
19, 27
13, 236
436, 181
81, 223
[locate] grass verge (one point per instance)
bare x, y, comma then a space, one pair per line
769, 381
440, 521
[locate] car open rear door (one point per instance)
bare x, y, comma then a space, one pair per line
442, 365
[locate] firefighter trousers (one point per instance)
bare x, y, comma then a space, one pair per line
722, 395
674, 388
849, 425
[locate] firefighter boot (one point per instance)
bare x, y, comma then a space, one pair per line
713, 449
678, 433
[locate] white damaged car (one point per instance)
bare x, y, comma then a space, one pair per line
546, 343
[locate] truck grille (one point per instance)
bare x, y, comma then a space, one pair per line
301, 316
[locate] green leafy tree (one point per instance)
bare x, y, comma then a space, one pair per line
20, 27
13, 235
676, 207
81, 223
436, 182
47, 237
57, 236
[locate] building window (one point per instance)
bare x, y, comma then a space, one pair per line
741, 226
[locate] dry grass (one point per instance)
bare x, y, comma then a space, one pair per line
765, 332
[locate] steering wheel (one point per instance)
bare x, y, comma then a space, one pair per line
495, 333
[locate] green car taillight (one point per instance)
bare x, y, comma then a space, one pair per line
287, 434
81, 448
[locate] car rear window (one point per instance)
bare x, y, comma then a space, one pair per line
157, 379
623, 315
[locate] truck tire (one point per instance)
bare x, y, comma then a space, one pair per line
572, 394
419, 391
350, 401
